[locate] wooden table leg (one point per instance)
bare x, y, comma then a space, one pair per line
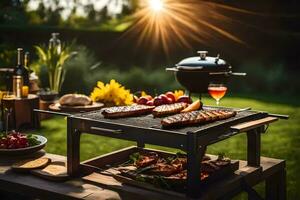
195, 154
276, 186
73, 149
253, 147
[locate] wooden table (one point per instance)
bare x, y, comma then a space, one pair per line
272, 171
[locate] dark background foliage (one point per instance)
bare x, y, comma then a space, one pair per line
270, 54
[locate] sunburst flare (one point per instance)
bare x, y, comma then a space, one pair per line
169, 23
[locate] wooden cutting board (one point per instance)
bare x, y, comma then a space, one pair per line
30, 164
55, 171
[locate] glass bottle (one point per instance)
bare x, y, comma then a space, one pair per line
55, 42
20, 75
26, 62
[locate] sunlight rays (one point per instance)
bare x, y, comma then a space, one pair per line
171, 23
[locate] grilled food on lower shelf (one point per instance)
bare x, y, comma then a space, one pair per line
147, 159
151, 167
196, 117
168, 109
127, 111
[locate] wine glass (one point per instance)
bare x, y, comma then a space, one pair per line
217, 91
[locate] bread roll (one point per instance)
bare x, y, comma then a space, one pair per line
75, 100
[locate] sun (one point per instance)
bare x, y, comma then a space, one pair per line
173, 24
156, 5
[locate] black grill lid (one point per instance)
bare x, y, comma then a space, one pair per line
204, 63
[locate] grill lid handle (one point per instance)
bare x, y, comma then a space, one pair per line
203, 54
190, 68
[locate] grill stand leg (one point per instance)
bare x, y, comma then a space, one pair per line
253, 156
276, 186
253, 147
195, 154
73, 149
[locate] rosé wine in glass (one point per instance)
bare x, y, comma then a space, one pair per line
217, 91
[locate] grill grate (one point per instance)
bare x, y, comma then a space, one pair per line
148, 121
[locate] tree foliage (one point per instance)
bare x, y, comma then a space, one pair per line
18, 12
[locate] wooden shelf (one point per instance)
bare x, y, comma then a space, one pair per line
272, 171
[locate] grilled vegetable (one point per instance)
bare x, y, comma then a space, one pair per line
196, 117
194, 106
126, 111
168, 109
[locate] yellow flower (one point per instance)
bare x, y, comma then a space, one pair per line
112, 93
178, 93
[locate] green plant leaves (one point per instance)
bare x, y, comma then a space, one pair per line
54, 60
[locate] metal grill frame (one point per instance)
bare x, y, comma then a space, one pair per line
194, 142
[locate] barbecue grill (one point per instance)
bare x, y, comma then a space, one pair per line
196, 73
148, 130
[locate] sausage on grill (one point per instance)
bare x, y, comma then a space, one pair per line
196, 117
127, 111
168, 109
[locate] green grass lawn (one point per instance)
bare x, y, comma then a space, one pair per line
281, 140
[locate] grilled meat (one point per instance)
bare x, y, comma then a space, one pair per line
182, 176
196, 117
179, 176
222, 161
150, 165
168, 109
164, 169
204, 175
126, 111
206, 158
147, 159
209, 167
180, 163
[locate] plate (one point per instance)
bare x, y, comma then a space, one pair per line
26, 150
58, 107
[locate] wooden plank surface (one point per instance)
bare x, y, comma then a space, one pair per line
253, 124
31, 185
77, 188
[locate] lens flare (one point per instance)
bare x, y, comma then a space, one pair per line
156, 5
170, 24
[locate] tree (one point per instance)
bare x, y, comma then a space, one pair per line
13, 11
